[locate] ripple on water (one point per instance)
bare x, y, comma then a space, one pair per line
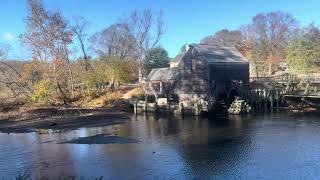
271, 146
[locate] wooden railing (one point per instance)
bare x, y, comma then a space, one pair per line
286, 78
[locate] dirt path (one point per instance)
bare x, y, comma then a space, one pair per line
61, 119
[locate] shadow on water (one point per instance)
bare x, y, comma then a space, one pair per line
100, 139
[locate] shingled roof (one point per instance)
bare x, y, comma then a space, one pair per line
178, 57
213, 54
162, 74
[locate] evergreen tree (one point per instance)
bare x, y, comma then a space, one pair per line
156, 58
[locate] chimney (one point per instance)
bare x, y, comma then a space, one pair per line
187, 47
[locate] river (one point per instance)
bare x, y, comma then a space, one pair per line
274, 146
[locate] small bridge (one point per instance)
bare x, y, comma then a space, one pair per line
294, 89
287, 78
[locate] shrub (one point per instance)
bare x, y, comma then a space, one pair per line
41, 92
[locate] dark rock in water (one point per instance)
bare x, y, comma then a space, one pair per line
53, 124
101, 139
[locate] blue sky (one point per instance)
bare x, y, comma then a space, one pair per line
187, 21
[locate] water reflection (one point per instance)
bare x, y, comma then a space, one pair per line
278, 145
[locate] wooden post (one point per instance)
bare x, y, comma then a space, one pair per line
156, 101
145, 103
197, 109
277, 98
255, 109
260, 100
271, 101
135, 107
287, 87
181, 108
265, 98
145, 98
307, 89
255, 103
168, 103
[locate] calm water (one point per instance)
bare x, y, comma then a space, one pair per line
268, 147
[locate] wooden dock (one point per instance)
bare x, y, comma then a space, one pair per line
305, 90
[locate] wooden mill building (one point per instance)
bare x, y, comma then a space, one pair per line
199, 75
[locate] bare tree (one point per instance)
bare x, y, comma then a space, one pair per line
10, 77
3, 52
79, 28
4, 76
115, 40
224, 37
147, 29
48, 35
130, 37
273, 30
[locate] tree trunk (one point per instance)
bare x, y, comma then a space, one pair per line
85, 57
140, 71
71, 79
9, 84
57, 82
257, 72
270, 69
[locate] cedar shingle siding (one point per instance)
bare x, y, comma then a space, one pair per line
195, 71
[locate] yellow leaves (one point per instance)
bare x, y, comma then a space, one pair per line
273, 59
119, 70
114, 95
41, 92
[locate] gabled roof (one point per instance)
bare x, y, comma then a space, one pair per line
213, 54
163, 74
217, 54
178, 57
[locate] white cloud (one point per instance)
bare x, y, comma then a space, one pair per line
7, 36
